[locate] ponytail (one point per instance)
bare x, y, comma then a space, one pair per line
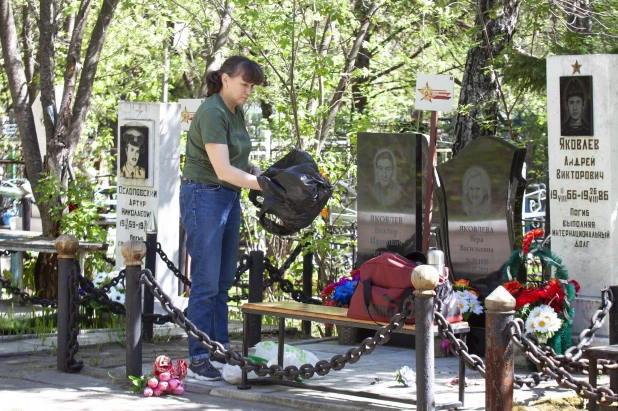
213, 82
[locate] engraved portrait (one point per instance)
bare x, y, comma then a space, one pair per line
476, 189
385, 190
134, 152
576, 106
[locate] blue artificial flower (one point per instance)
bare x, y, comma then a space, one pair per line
343, 293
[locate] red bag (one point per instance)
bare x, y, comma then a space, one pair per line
386, 282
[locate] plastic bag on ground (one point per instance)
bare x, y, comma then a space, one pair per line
293, 192
291, 355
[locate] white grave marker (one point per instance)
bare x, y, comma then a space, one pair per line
582, 93
149, 180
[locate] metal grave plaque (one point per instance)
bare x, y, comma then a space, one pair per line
478, 191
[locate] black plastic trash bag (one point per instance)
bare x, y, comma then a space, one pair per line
293, 194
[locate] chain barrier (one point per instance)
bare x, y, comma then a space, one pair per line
171, 266
93, 294
305, 371
108, 260
244, 267
553, 368
276, 276
458, 346
25, 297
114, 282
71, 364
572, 360
7, 253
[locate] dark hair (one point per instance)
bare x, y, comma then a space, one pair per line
234, 66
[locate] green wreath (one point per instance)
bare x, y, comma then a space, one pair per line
561, 340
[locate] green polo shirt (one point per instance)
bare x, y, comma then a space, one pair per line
213, 122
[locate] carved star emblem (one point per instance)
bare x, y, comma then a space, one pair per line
185, 116
426, 92
576, 67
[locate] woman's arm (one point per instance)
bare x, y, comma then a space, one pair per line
219, 156
253, 169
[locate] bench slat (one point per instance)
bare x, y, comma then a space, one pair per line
327, 314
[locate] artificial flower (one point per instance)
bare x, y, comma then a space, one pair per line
406, 376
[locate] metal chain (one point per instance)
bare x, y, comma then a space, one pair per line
114, 282
24, 296
244, 266
108, 260
458, 346
572, 360
93, 294
72, 365
306, 371
276, 275
172, 267
553, 368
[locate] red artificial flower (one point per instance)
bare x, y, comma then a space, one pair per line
180, 369
523, 298
528, 237
326, 292
163, 364
512, 287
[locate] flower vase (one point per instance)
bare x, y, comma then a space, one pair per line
347, 335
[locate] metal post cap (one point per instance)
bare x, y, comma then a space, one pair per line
133, 252
500, 300
67, 246
425, 278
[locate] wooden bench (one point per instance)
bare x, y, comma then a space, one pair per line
333, 315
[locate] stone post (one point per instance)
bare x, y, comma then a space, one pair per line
66, 247
133, 252
424, 279
499, 359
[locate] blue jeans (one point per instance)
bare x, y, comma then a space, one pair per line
211, 216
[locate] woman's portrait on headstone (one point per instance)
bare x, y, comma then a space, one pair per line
576, 106
476, 189
385, 190
134, 152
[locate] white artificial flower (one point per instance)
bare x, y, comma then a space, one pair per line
537, 311
530, 325
476, 307
541, 324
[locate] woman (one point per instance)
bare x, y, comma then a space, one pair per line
217, 167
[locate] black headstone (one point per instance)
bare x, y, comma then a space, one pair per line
389, 169
479, 192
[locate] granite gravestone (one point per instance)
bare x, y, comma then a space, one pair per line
389, 185
478, 192
582, 95
149, 180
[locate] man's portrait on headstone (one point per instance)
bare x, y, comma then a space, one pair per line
476, 189
576, 106
385, 190
134, 152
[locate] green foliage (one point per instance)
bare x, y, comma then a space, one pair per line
76, 212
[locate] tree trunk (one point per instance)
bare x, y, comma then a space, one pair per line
215, 59
63, 126
479, 99
337, 98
